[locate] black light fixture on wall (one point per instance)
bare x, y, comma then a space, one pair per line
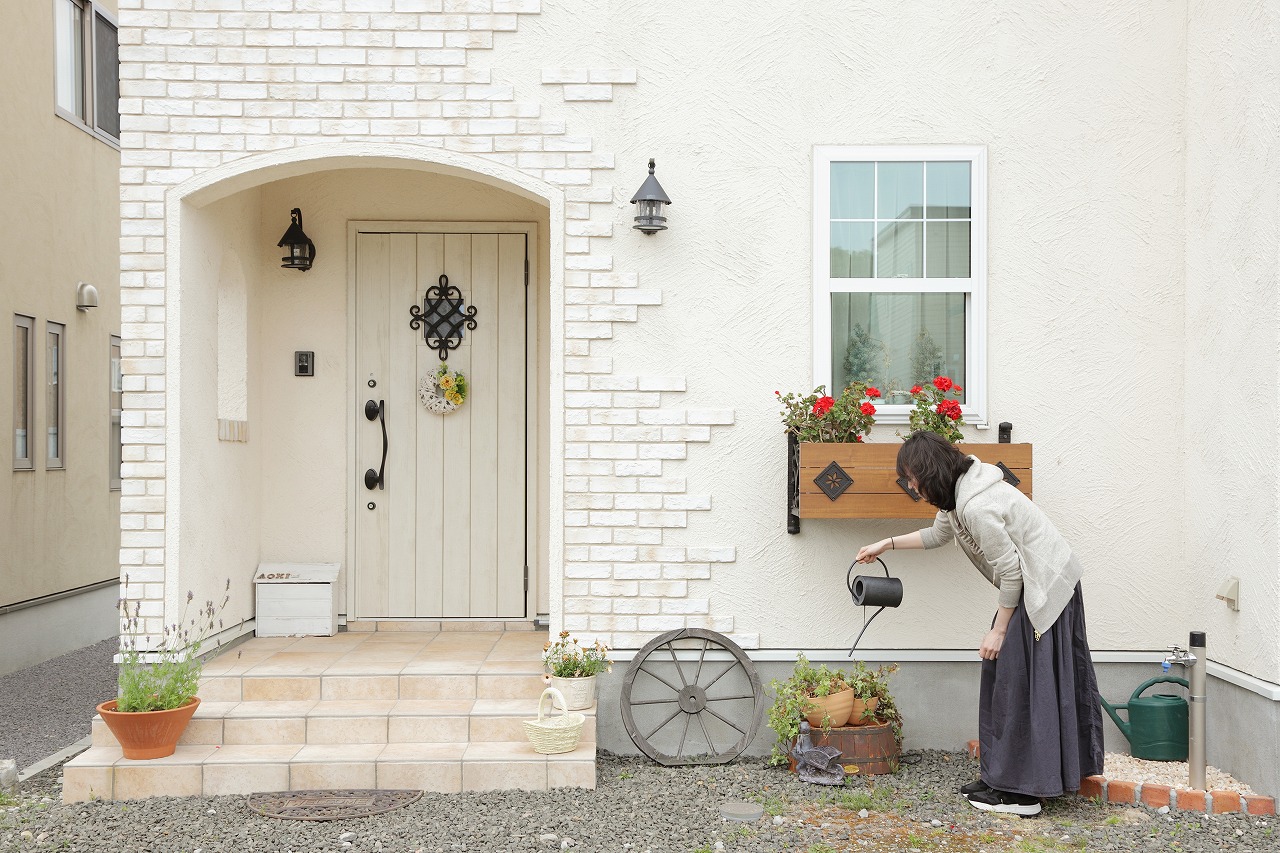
301, 250
650, 198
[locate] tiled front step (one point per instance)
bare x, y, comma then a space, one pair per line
102, 773
374, 721
522, 683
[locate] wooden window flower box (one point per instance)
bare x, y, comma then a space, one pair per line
861, 480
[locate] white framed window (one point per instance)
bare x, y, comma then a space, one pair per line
23, 392
900, 271
55, 360
115, 452
87, 67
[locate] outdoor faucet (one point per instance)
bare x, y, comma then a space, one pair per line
1180, 656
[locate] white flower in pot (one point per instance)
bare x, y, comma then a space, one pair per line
572, 668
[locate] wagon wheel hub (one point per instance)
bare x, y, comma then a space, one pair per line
692, 699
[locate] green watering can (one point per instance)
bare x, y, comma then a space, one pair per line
1157, 726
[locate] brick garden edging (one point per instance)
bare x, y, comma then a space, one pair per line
1154, 796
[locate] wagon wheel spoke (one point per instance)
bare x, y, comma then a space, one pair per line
721, 698
702, 655
663, 723
728, 723
653, 701
653, 674
725, 672
675, 660
683, 737
711, 747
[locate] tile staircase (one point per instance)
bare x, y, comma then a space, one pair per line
429, 711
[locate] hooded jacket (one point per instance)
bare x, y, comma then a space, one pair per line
1011, 541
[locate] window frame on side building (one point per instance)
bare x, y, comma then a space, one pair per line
24, 393
974, 287
55, 415
89, 93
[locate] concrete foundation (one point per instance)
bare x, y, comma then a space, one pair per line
32, 635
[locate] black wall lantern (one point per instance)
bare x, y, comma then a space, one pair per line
651, 197
301, 250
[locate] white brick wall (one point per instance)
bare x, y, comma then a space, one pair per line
205, 82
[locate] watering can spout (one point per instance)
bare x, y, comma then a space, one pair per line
1120, 724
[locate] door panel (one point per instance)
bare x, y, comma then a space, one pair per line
447, 535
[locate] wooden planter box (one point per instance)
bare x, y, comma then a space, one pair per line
864, 750
875, 492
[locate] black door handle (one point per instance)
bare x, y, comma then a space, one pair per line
377, 411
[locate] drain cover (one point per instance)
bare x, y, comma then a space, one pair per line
329, 805
745, 812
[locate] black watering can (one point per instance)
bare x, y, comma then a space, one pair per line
1157, 725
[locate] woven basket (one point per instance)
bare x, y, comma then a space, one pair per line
551, 735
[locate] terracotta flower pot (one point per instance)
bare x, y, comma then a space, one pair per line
837, 706
860, 707
148, 734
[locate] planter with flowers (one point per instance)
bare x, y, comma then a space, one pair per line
157, 688
835, 473
572, 668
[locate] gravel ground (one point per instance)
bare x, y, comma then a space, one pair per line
1171, 773
639, 806
47, 707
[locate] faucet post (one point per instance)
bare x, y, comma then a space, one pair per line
1198, 683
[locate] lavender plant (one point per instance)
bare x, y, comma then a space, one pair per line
168, 677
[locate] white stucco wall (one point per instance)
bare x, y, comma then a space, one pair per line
674, 344
1231, 497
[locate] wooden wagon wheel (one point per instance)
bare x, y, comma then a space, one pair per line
689, 675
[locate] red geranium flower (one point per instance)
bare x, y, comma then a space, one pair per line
942, 383
956, 388
823, 405
867, 409
873, 392
916, 389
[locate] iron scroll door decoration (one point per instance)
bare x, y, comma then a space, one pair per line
442, 317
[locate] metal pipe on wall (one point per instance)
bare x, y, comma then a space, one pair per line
1198, 683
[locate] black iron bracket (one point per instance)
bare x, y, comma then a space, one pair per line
1009, 477
793, 483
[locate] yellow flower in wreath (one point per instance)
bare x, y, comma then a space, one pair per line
447, 382
453, 397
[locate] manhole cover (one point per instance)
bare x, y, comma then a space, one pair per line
329, 805
746, 812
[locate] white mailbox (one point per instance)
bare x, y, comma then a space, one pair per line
297, 599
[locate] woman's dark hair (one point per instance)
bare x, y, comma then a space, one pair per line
935, 465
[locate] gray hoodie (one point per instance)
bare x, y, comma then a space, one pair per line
1011, 542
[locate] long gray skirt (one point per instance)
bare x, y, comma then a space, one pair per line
1039, 718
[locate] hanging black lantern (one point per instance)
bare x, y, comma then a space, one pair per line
650, 198
301, 250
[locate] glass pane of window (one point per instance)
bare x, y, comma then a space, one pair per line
853, 190
851, 249
21, 393
69, 56
948, 185
900, 250
106, 76
53, 395
948, 249
896, 340
901, 191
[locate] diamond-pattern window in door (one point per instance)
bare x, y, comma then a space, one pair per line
833, 481
442, 317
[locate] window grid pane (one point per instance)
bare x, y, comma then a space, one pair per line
905, 195
896, 340
69, 56
106, 76
54, 384
22, 391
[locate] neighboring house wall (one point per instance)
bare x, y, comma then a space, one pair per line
60, 528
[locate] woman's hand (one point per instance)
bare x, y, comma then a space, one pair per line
991, 643
868, 553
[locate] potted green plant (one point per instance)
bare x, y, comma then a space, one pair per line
157, 687
818, 695
873, 703
572, 668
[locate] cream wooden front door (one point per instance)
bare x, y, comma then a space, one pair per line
443, 535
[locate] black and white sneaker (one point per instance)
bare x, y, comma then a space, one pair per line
974, 787
1005, 802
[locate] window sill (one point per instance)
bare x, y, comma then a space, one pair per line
94, 132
